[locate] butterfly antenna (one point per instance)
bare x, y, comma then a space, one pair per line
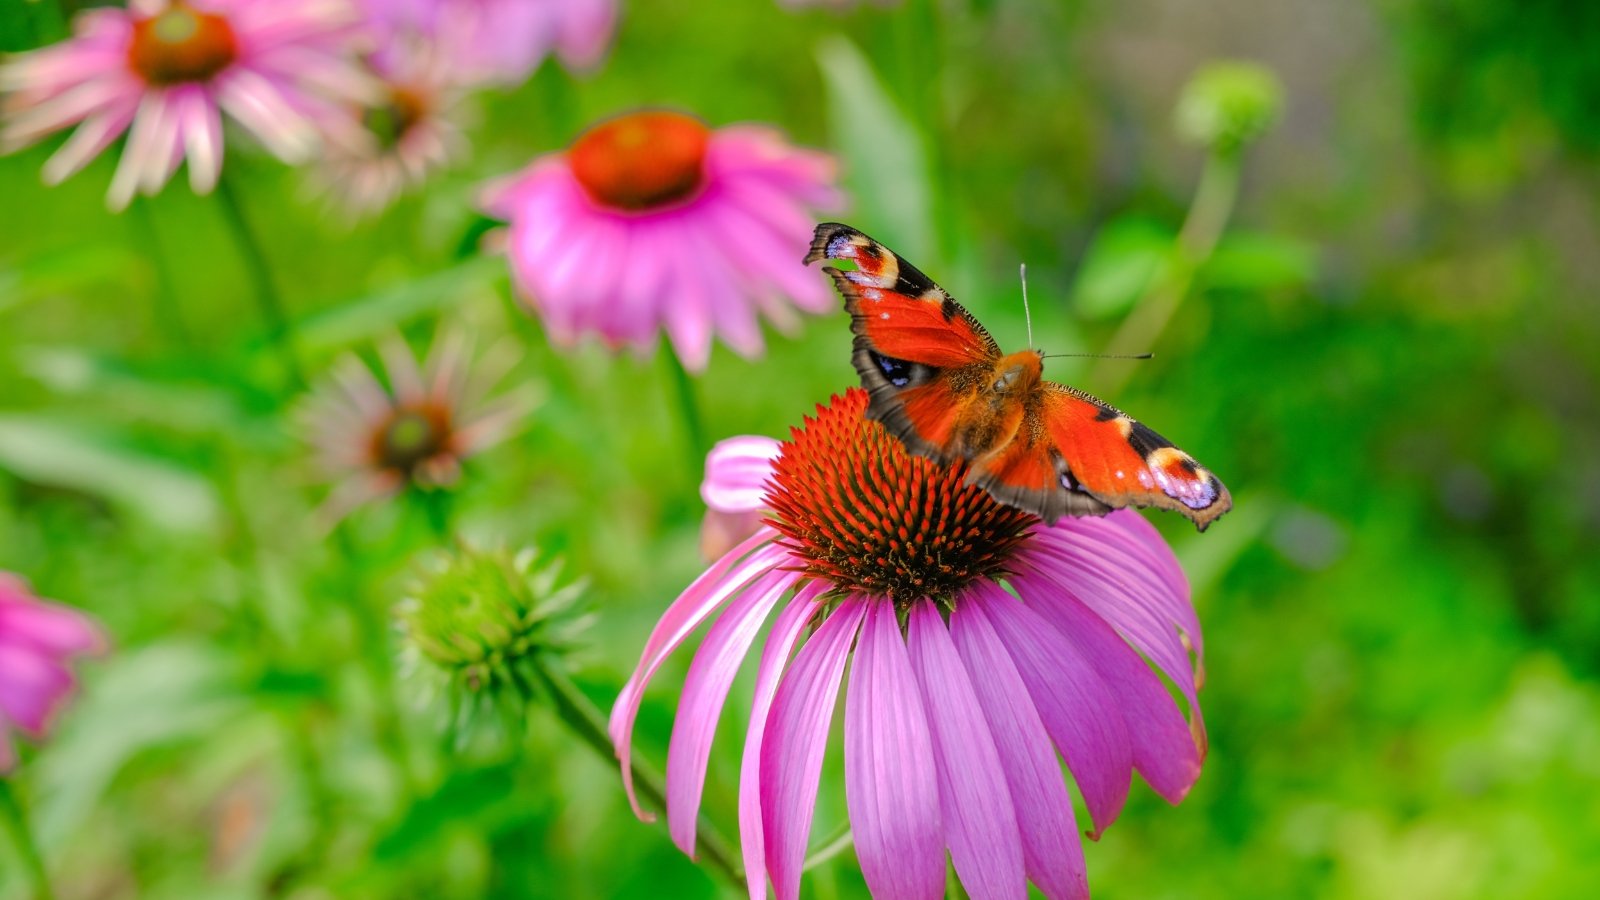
1027, 314
1101, 355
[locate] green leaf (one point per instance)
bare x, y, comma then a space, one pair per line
367, 316
95, 461
886, 165
1127, 256
1257, 261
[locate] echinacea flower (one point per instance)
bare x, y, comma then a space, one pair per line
980, 643
380, 148
415, 431
734, 490
502, 41
38, 640
651, 221
166, 70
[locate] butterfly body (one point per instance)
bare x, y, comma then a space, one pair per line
940, 383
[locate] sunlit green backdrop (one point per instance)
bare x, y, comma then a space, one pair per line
1392, 356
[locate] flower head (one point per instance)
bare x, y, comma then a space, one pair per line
380, 148
475, 617
38, 640
416, 430
980, 643
651, 221
502, 41
165, 71
1226, 105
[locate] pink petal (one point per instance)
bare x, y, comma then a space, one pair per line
1049, 829
737, 470
89, 140
705, 689
1078, 709
31, 685
980, 823
781, 641
1163, 750
796, 738
693, 606
202, 136
48, 628
890, 785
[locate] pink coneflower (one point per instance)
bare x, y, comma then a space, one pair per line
980, 644
652, 221
377, 439
165, 70
502, 40
734, 491
381, 148
38, 640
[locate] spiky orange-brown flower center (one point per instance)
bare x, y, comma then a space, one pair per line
411, 436
182, 44
642, 160
856, 508
390, 121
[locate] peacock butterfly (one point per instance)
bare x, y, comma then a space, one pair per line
940, 384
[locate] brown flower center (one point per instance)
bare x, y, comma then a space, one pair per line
412, 436
181, 44
856, 508
641, 160
392, 120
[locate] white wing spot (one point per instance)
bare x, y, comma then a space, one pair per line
883, 315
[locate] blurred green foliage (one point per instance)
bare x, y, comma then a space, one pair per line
1390, 355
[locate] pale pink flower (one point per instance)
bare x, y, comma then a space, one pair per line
38, 640
980, 644
379, 149
502, 41
166, 70
651, 222
375, 439
734, 491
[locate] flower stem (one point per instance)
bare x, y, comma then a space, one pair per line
841, 840
168, 311
689, 406
436, 508
279, 329
15, 820
1202, 229
580, 714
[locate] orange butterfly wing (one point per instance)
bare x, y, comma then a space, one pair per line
909, 335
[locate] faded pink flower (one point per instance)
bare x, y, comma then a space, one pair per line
374, 439
652, 222
735, 492
981, 643
38, 640
166, 70
502, 40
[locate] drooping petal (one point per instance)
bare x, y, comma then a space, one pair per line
781, 641
31, 687
705, 689
1163, 750
692, 607
1049, 829
1078, 710
737, 470
890, 784
980, 822
793, 746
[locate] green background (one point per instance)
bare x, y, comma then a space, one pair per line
1391, 358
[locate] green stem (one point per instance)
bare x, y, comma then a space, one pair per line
168, 311
841, 840
15, 820
436, 510
689, 407
279, 329
586, 721
1202, 229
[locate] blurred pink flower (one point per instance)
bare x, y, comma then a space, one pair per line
378, 150
502, 40
38, 639
376, 439
165, 70
735, 492
651, 222
983, 642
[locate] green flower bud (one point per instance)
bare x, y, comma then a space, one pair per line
475, 618
1226, 105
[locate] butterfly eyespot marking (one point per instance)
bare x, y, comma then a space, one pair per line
899, 372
